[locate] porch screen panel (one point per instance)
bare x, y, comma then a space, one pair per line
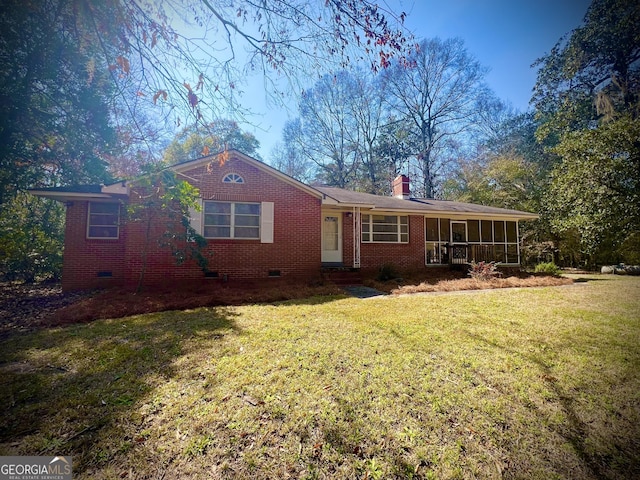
473, 231
486, 227
512, 232
477, 252
513, 254
498, 228
436, 236
433, 231
459, 232
444, 229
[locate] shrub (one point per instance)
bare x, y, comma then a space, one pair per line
387, 272
548, 268
483, 270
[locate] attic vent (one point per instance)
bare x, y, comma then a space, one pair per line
210, 274
274, 273
105, 274
232, 178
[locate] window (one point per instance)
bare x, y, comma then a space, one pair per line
104, 220
385, 228
232, 178
231, 220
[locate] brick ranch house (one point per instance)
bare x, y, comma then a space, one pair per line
261, 223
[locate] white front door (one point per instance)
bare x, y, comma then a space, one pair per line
332, 238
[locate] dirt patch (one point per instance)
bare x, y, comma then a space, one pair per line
28, 307
25, 307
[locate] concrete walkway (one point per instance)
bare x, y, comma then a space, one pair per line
360, 291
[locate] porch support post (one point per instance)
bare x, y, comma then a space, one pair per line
518, 240
357, 225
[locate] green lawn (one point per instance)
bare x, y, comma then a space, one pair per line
528, 383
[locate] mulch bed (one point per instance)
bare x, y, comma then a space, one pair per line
26, 307
30, 307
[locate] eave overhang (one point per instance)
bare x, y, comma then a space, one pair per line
420, 207
114, 191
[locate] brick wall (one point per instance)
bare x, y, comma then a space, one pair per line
403, 256
88, 261
295, 252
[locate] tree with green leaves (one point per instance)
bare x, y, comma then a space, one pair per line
161, 205
509, 169
593, 73
202, 140
55, 129
79, 78
587, 100
595, 190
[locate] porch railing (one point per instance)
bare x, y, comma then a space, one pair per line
461, 254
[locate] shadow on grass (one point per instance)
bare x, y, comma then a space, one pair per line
79, 390
590, 279
597, 459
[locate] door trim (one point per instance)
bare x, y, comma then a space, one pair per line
332, 256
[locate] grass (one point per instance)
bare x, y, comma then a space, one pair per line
116, 303
530, 383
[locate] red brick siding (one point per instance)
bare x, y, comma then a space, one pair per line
347, 239
84, 258
295, 251
403, 256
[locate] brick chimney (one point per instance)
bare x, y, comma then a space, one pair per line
400, 187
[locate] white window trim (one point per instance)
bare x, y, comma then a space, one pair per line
234, 178
117, 226
398, 233
267, 213
232, 225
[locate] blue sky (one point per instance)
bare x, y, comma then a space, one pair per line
506, 36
